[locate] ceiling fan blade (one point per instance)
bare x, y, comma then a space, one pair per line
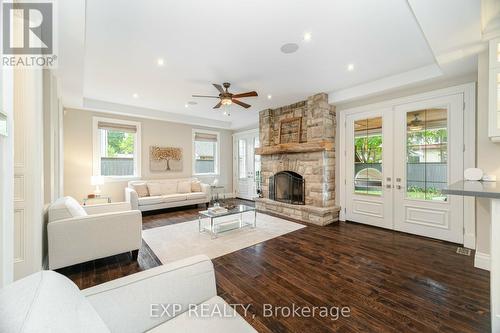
218, 87
247, 94
205, 96
245, 105
218, 105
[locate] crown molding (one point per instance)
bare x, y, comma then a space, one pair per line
145, 113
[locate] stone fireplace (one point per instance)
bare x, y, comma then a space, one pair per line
297, 148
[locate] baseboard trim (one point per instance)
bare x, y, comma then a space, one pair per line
469, 240
482, 261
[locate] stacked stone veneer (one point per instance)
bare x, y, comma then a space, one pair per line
317, 167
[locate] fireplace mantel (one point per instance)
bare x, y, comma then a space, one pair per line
288, 148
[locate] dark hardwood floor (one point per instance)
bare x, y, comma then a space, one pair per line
391, 281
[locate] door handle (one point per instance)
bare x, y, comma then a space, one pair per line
399, 187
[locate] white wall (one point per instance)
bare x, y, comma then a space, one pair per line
488, 154
78, 152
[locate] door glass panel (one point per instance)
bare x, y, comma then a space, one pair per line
498, 99
242, 158
257, 164
426, 154
368, 156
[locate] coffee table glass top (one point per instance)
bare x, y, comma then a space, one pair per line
236, 210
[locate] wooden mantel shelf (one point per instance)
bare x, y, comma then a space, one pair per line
288, 148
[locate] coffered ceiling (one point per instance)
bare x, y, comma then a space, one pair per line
109, 52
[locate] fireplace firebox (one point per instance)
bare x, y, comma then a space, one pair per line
287, 186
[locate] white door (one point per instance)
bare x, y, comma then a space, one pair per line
397, 162
428, 148
369, 168
247, 171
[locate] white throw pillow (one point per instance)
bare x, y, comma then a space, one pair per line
169, 187
141, 189
195, 186
184, 187
154, 189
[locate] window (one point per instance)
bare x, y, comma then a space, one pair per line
242, 158
427, 154
205, 152
368, 156
116, 148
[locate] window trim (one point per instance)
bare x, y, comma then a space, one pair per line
96, 151
217, 153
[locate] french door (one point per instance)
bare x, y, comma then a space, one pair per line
397, 162
247, 164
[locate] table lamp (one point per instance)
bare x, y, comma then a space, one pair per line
96, 181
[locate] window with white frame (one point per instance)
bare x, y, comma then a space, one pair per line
117, 148
242, 158
205, 152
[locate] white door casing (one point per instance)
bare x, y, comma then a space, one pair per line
28, 171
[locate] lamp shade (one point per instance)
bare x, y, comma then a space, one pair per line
96, 180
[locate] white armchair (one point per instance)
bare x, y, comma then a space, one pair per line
49, 302
77, 234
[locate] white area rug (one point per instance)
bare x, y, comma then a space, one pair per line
182, 240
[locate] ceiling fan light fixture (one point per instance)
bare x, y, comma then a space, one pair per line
226, 101
416, 124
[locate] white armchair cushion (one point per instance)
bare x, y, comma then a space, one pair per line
47, 302
65, 208
154, 189
113, 207
184, 187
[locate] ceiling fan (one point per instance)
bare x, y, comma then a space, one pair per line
227, 98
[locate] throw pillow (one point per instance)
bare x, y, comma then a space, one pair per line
154, 189
184, 187
169, 187
195, 186
141, 189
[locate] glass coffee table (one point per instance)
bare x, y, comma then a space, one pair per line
217, 226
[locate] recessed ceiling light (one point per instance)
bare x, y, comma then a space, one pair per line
289, 48
269, 96
186, 105
350, 67
192, 103
135, 95
307, 36
160, 62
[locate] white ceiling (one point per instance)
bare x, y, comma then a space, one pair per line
239, 42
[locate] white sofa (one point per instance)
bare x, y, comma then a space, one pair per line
77, 234
168, 196
49, 302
